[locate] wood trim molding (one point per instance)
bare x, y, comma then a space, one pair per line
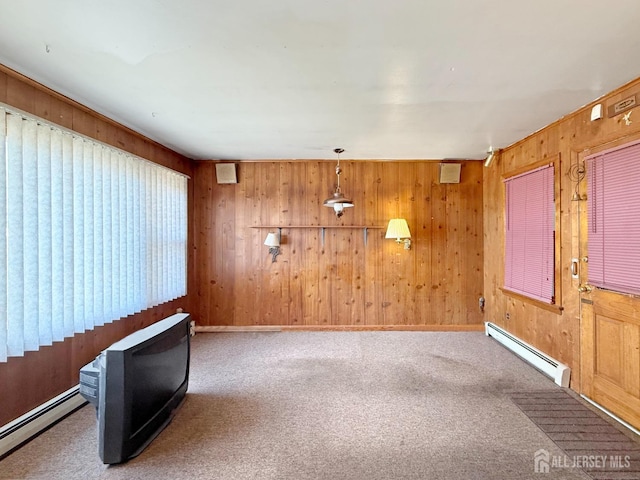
536, 303
615, 141
341, 328
73, 103
554, 160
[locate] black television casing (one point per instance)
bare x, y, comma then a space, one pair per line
136, 386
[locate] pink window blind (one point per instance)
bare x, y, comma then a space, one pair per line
530, 224
613, 219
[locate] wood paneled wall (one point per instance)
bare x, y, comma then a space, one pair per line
556, 333
342, 282
28, 381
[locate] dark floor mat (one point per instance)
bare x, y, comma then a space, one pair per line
589, 441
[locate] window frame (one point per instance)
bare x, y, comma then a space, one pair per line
152, 192
591, 161
555, 307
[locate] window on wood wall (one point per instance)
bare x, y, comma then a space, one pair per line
93, 234
530, 234
614, 219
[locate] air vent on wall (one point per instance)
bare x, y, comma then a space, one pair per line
450, 172
226, 173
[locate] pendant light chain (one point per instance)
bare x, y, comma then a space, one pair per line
338, 169
338, 201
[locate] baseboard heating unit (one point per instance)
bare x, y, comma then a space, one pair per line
559, 372
17, 432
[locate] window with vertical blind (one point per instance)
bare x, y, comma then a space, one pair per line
93, 234
613, 219
530, 236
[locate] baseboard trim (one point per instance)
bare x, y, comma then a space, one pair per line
281, 328
218, 329
23, 428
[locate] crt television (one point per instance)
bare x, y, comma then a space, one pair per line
136, 386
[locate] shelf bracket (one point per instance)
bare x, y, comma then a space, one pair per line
322, 235
365, 230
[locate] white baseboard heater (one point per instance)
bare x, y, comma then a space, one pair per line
559, 372
17, 432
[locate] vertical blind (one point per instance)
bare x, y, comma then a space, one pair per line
613, 219
530, 243
92, 234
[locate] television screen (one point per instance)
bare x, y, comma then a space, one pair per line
136, 385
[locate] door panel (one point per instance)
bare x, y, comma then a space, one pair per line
608, 332
611, 352
610, 338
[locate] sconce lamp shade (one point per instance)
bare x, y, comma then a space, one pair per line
272, 240
398, 229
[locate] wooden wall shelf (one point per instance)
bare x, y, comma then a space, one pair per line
365, 228
315, 226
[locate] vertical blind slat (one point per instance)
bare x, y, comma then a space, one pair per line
3, 241
122, 239
45, 236
15, 245
107, 288
78, 236
68, 236
30, 231
88, 219
135, 225
131, 306
98, 238
57, 236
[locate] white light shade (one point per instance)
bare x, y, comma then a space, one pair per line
272, 240
339, 200
398, 229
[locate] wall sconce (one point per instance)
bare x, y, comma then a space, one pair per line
399, 230
273, 242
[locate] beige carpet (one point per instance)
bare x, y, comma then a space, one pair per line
326, 405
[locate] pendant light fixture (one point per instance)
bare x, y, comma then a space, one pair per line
338, 201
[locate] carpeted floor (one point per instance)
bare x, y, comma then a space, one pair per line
327, 405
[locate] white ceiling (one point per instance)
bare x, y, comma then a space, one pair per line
293, 79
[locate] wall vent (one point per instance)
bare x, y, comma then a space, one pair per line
450, 172
226, 173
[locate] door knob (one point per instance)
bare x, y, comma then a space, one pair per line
586, 288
